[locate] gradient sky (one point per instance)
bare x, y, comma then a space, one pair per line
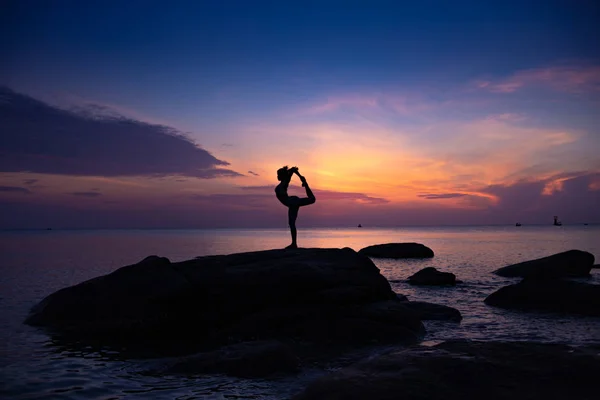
177, 114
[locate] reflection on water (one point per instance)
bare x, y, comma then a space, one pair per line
35, 264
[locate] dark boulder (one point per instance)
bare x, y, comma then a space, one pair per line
555, 295
570, 263
397, 250
430, 311
160, 308
246, 360
433, 277
458, 370
120, 295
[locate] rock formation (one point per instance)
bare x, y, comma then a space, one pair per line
397, 250
556, 295
433, 277
566, 264
155, 307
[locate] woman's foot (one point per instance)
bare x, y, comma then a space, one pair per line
292, 246
303, 179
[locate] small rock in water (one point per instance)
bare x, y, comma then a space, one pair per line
555, 295
431, 276
397, 250
570, 263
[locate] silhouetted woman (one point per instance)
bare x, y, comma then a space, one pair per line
293, 203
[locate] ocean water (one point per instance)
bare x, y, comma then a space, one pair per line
34, 264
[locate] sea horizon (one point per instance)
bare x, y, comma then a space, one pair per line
337, 227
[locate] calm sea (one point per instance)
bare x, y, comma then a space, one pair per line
36, 263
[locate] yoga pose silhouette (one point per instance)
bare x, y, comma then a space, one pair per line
293, 203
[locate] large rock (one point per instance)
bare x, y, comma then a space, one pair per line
158, 307
397, 250
466, 370
430, 311
566, 264
246, 360
554, 295
432, 277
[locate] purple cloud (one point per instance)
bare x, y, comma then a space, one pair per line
324, 194
571, 79
38, 137
524, 202
434, 196
14, 189
30, 181
236, 201
86, 194
253, 173
575, 201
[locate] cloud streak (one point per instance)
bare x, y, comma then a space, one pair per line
522, 201
40, 138
433, 196
405, 103
85, 194
570, 79
14, 189
327, 195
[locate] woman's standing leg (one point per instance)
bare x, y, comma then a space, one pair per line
292, 216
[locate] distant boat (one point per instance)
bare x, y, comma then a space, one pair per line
557, 222
359, 225
585, 224
518, 224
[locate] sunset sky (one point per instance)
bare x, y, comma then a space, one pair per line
155, 114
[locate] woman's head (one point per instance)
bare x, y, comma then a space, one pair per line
282, 173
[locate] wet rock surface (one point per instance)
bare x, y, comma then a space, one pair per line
466, 370
245, 360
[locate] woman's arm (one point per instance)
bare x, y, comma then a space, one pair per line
292, 171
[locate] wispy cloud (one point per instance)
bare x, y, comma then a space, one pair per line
326, 195
253, 173
571, 79
349, 196
85, 194
352, 101
404, 103
31, 181
437, 196
41, 138
14, 189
